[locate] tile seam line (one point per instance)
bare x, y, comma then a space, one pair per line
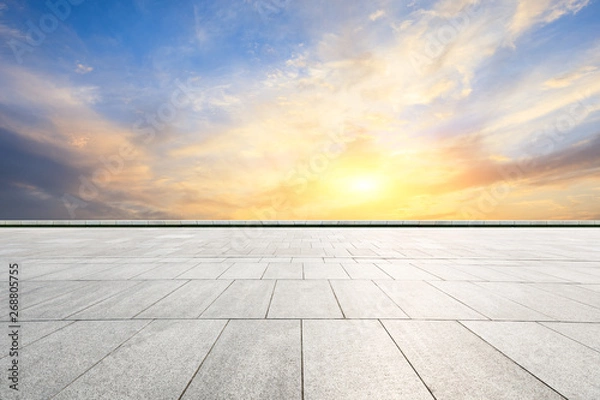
139, 283
390, 297
66, 293
407, 360
102, 359
189, 269
563, 296
455, 299
165, 296
478, 283
203, 360
215, 299
271, 299
69, 323
302, 358
336, 299
544, 324
511, 359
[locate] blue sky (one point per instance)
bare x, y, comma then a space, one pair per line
231, 109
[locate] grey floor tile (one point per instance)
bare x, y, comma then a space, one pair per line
33, 292
72, 302
49, 365
126, 271
188, 301
573, 292
356, 360
568, 273
76, 272
557, 307
32, 332
167, 270
406, 272
364, 271
245, 271
252, 360
524, 274
484, 273
304, 299
363, 299
456, 364
282, 270
587, 334
205, 271
421, 300
595, 288
446, 272
537, 349
486, 303
137, 369
324, 271
243, 299
129, 302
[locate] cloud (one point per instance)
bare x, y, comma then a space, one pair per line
83, 69
376, 15
570, 78
530, 13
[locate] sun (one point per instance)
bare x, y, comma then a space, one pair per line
364, 184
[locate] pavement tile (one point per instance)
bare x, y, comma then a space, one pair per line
188, 301
356, 360
167, 270
365, 271
537, 349
587, 334
406, 272
282, 270
129, 302
49, 365
258, 359
456, 364
304, 299
363, 299
446, 272
486, 303
205, 271
421, 300
157, 363
324, 271
243, 299
72, 302
557, 307
34, 331
245, 270
573, 292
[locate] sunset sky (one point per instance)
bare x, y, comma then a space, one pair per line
300, 109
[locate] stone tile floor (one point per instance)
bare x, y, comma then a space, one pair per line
303, 313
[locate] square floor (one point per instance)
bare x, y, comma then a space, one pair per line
302, 313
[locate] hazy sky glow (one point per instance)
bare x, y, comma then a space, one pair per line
300, 109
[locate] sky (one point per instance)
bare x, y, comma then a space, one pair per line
300, 109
